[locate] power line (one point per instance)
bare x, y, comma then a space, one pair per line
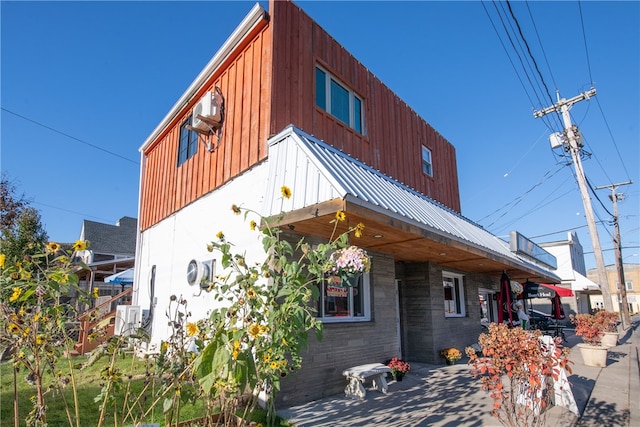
70, 136
547, 175
70, 211
544, 54
584, 38
535, 63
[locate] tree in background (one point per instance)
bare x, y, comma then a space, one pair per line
21, 231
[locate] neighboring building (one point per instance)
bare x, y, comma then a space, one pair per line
572, 271
298, 111
112, 249
632, 285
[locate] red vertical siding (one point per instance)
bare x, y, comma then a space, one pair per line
394, 132
245, 80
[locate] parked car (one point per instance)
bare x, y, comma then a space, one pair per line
540, 320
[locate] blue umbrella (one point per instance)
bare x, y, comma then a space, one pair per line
123, 278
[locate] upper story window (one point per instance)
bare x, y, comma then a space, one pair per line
338, 100
629, 285
188, 143
342, 302
453, 295
427, 165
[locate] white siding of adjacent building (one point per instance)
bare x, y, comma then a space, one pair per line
174, 242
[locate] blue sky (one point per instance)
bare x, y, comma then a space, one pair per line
85, 83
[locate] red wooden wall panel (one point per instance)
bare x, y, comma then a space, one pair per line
245, 80
394, 132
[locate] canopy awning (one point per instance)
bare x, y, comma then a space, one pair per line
543, 290
123, 278
562, 292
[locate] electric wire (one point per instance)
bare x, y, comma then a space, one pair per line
532, 211
586, 51
495, 29
547, 175
69, 136
584, 38
524, 40
624, 166
84, 215
544, 53
517, 53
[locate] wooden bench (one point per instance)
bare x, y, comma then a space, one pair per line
359, 374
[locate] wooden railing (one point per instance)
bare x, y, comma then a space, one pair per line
88, 321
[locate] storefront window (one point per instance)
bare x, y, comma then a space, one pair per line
344, 301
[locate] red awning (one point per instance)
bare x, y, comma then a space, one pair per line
563, 292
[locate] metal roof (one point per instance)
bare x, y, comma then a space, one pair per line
319, 172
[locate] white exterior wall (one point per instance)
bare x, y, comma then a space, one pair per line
171, 244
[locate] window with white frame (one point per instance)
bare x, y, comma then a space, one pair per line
344, 302
337, 99
427, 165
188, 143
453, 295
629, 285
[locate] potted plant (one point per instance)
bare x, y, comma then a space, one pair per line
451, 355
398, 368
518, 370
609, 322
591, 328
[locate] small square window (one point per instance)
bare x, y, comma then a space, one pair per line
427, 165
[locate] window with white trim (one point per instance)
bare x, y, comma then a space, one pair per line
188, 143
337, 99
629, 285
453, 285
344, 302
427, 165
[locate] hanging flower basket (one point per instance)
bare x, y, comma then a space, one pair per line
349, 262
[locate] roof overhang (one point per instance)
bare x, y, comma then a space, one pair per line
405, 240
398, 220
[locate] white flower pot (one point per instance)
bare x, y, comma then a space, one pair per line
594, 355
610, 339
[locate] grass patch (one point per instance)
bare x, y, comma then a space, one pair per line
89, 384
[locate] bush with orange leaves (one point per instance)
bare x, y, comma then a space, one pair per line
518, 371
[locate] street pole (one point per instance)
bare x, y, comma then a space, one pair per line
617, 244
573, 144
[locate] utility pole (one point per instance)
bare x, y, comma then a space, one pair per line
617, 244
573, 144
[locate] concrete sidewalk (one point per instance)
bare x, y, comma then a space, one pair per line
435, 395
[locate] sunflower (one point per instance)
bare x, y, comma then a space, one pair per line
359, 229
3, 258
16, 294
80, 245
235, 209
255, 330
53, 247
286, 192
341, 216
192, 329
220, 235
252, 225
